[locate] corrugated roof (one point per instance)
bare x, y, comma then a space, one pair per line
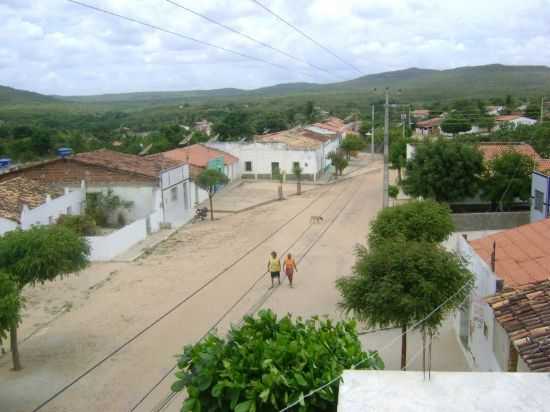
524, 313
150, 166
19, 191
198, 155
522, 253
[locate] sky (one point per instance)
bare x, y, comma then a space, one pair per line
58, 47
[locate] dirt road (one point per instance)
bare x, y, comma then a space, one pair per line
146, 311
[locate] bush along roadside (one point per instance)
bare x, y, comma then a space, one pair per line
267, 363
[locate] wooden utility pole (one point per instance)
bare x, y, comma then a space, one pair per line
372, 133
386, 199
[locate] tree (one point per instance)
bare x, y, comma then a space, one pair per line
297, 172
11, 304
39, 255
267, 363
352, 144
508, 177
209, 180
338, 161
456, 123
235, 125
443, 170
393, 192
309, 111
270, 122
487, 122
400, 283
398, 155
419, 220
533, 109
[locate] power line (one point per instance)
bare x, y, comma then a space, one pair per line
306, 36
183, 36
369, 355
248, 37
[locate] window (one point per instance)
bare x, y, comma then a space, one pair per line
539, 200
174, 194
295, 165
69, 210
247, 166
50, 220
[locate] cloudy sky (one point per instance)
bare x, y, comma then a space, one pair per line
57, 47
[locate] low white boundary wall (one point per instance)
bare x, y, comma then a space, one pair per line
104, 248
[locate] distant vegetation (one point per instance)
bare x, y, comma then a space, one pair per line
32, 125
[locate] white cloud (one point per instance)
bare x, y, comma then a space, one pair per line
60, 48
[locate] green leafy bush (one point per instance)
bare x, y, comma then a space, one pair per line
84, 225
268, 363
103, 207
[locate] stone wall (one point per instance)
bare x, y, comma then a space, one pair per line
489, 220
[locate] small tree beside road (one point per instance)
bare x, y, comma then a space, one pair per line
352, 144
444, 170
338, 161
400, 283
209, 180
11, 304
297, 171
39, 255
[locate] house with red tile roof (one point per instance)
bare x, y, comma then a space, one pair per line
507, 259
429, 127
156, 186
491, 150
200, 156
522, 317
514, 120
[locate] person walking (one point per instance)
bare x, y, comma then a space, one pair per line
289, 267
274, 267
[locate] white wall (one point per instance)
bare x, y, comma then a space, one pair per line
263, 154
107, 247
177, 196
140, 195
47, 213
539, 182
6, 225
479, 353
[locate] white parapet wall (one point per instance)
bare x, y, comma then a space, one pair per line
104, 248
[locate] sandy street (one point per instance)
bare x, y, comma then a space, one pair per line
151, 308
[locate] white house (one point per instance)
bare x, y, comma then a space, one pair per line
540, 196
514, 120
25, 203
274, 153
509, 258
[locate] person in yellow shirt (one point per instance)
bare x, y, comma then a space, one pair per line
289, 266
274, 267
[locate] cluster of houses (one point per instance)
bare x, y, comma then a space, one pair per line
431, 126
160, 188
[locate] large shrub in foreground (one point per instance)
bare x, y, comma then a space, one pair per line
268, 363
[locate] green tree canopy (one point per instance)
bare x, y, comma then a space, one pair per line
420, 220
339, 161
508, 177
11, 304
400, 283
351, 144
210, 180
235, 125
533, 109
267, 363
456, 123
444, 170
38, 255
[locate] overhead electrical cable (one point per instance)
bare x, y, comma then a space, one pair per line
307, 36
248, 37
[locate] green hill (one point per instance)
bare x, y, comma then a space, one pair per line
9, 95
415, 84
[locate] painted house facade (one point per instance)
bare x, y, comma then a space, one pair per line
510, 258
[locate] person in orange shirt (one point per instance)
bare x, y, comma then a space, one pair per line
289, 267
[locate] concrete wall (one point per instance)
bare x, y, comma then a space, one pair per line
477, 313
540, 182
489, 221
141, 197
6, 225
107, 247
47, 213
263, 154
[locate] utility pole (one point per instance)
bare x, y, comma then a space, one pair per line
372, 133
542, 109
386, 200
